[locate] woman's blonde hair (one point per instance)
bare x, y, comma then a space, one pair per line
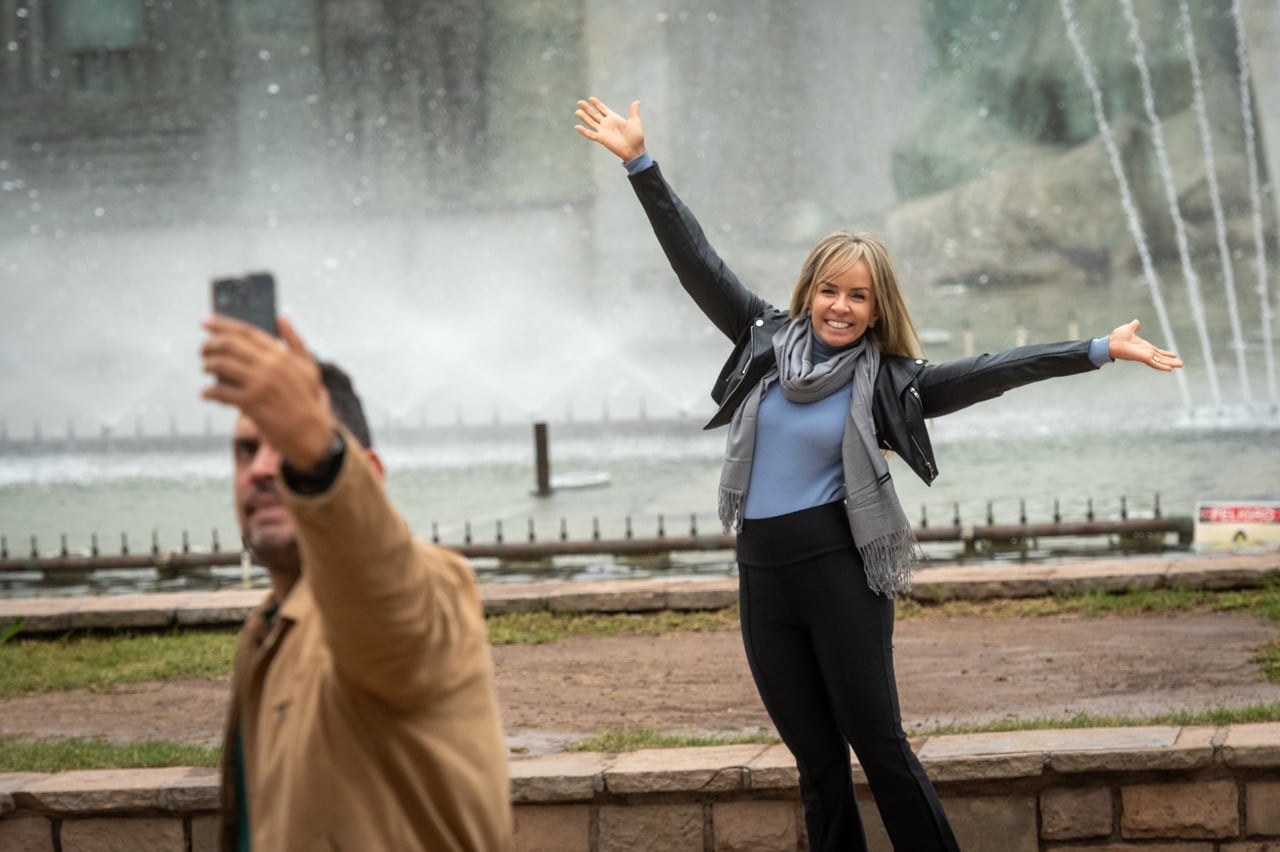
893, 333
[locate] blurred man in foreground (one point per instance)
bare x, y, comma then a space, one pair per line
363, 712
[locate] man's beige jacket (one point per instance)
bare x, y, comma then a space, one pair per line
367, 708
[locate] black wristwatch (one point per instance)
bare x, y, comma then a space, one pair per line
323, 475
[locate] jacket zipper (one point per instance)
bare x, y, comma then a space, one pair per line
751, 346
924, 457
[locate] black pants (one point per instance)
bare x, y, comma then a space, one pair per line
820, 646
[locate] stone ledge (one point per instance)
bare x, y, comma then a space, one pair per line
774, 769
709, 769
15, 781
584, 777
569, 777
609, 595
956, 759
1253, 746
1208, 571
1144, 788
116, 790
115, 612
968, 582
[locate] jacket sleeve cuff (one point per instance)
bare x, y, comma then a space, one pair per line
1100, 351
639, 164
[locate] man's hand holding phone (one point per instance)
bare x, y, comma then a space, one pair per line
275, 382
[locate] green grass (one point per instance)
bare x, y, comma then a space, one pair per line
1263, 602
18, 755
633, 739
100, 661
1268, 657
10, 631
539, 627
1248, 714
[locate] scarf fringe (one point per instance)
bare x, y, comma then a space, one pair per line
888, 561
729, 507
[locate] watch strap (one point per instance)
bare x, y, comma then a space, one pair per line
323, 475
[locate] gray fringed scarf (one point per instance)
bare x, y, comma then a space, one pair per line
880, 527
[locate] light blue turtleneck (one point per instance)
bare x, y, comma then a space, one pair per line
796, 464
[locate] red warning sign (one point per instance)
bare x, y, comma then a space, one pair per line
1238, 525
1231, 513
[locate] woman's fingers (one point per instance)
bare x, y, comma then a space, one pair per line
592, 111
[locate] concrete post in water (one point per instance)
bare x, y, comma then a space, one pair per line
542, 463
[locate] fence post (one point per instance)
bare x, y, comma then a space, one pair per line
542, 463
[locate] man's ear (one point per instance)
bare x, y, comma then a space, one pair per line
376, 460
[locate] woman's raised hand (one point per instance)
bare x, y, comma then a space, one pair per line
1125, 345
622, 136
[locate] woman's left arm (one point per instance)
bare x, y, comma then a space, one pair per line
952, 385
957, 384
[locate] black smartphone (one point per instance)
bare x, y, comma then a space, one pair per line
251, 298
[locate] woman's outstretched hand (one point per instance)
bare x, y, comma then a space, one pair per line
622, 136
1125, 345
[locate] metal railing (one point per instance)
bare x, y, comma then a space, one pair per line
1123, 533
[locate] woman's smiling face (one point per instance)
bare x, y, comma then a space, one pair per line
844, 306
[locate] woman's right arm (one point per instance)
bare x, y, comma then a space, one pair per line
713, 286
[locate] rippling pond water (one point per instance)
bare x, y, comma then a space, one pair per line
995, 458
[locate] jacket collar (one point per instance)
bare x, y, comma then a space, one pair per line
299, 603
903, 371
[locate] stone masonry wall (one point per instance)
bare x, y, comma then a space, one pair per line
1158, 789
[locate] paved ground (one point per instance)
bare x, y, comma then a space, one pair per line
960, 669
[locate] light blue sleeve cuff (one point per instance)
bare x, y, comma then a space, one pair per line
1100, 351
639, 164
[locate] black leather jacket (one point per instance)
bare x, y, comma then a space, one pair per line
907, 390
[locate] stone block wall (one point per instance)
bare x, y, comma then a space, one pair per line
1158, 789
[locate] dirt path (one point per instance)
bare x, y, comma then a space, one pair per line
964, 670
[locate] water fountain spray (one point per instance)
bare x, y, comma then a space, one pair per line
1260, 247
1126, 196
1171, 195
1215, 200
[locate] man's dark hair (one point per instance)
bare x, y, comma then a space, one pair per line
344, 403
